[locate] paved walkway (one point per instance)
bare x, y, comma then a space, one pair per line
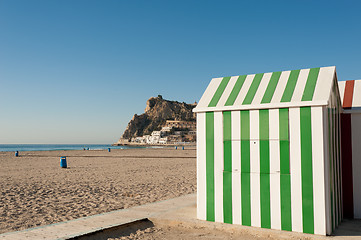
82, 226
176, 211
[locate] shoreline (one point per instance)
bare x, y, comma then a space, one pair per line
193, 144
75, 147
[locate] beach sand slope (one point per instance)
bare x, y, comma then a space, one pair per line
35, 191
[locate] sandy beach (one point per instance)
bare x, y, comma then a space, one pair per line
35, 191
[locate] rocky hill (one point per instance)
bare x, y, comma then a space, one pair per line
157, 111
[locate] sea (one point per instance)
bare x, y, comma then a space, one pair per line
56, 147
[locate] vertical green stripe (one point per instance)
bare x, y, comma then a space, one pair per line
285, 178
271, 87
227, 197
264, 124
310, 84
227, 131
265, 169
253, 89
245, 169
290, 87
286, 211
227, 174
283, 118
210, 165
246, 198
284, 157
265, 200
217, 95
306, 170
235, 91
284, 141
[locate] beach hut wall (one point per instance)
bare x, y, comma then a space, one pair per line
350, 93
268, 151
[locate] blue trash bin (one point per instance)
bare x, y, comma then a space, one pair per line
183, 148
108, 149
17, 154
176, 147
63, 162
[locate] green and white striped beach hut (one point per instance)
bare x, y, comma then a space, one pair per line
268, 151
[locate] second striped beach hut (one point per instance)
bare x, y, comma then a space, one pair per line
350, 93
268, 151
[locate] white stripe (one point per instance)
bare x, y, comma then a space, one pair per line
275, 200
356, 101
236, 167
208, 94
218, 166
332, 134
275, 190
201, 167
334, 165
236, 197
338, 167
281, 86
255, 169
295, 167
274, 124
300, 85
274, 141
324, 83
255, 199
318, 166
341, 87
261, 88
337, 174
333, 152
327, 172
254, 127
227, 91
243, 92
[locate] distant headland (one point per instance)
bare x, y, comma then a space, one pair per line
163, 122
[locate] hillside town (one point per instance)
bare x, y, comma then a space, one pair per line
172, 132
163, 122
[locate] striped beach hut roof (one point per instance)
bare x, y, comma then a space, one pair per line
350, 94
296, 88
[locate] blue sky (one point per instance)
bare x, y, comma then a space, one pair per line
77, 71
